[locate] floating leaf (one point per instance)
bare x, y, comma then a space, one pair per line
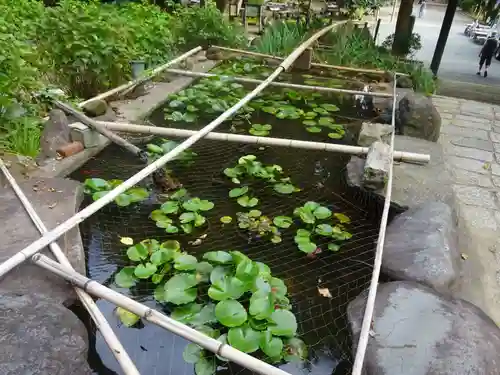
307, 247
185, 262
170, 207
305, 215
284, 188
145, 271
324, 229
192, 353
126, 317
309, 122
322, 213
226, 288
181, 193
158, 215
187, 217
246, 201
342, 218
254, 213
244, 338
325, 121
226, 219
230, 313
238, 192
219, 273
126, 278
330, 107
283, 322
271, 346
123, 200
137, 252
278, 287
127, 241
197, 204
261, 305
179, 289
333, 247
162, 256
220, 257
283, 221
247, 270
186, 313
335, 135
97, 184
313, 129
171, 245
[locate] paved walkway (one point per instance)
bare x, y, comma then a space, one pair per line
470, 137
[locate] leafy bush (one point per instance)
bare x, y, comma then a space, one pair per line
281, 38
414, 45
195, 26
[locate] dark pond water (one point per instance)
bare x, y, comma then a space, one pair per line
322, 321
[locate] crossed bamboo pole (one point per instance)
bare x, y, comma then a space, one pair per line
152, 315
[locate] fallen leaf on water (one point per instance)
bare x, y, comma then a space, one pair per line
325, 292
464, 256
126, 317
127, 241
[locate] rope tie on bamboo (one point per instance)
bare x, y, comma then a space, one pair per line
219, 349
148, 313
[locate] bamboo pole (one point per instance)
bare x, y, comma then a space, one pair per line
140, 80
105, 132
403, 156
282, 84
155, 317
58, 231
314, 65
100, 321
372, 292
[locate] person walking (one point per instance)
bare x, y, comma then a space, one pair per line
421, 9
487, 52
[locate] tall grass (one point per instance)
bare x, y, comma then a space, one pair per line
281, 38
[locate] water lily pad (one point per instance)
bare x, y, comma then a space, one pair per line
254, 213
123, 200
246, 201
181, 193
137, 252
205, 366
322, 213
335, 135
283, 322
220, 257
97, 184
145, 271
126, 278
309, 122
158, 215
230, 313
185, 262
271, 346
238, 192
170, 207
246, 270
283, 221
197, 204
324, 229
325, 121
192, 353
313, 129
333, 247
226, 219
128, 318
330, 107
227, 287
180, 289
244, 338
261, 305
295, 350
137, 194
284, 188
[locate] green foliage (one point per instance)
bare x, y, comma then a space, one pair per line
97, 187
180, 212
227, 296
317, 221
414, 44
258, 225
281, 38
186, 157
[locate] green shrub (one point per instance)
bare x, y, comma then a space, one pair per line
281, 38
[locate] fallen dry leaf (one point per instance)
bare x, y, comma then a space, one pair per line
325, 292
53, 205
464, 256
127, 241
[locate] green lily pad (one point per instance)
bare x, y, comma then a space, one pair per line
283, 221
283, 322
205, 366
185, 262
126, 278
333, 247
137, 194
192, 353
261, 305
270, 345
284, 188
238, 192
128, 318
335, 135
226, 219
244, 338
230, 313
324, 229
123, 200
322, 213
325, 121
225, 288
313, 129
247, 270
97, 184
180, 289
309, 122
330, 107
219, 273
181, 193
307, 247
197, 204
219, 257
246, 201
170, 207
145, 271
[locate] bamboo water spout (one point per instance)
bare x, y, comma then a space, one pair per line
100, 321
58, 231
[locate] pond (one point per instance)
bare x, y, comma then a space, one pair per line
320, 283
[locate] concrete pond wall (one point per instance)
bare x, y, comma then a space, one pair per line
421, 323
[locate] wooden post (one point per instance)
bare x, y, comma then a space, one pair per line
304, 61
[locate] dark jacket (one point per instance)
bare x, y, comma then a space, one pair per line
490, 46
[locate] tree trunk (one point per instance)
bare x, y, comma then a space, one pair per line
401, 37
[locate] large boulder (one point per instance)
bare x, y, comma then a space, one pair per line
417, 331
420, 245
419, 117
38, 337
413, 184
96, 107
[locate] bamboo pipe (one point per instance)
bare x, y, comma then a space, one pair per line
315, 65
282, 84
407, 157
105, 132
55, 233
377, 264
155, 317
100, 321
138, 81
